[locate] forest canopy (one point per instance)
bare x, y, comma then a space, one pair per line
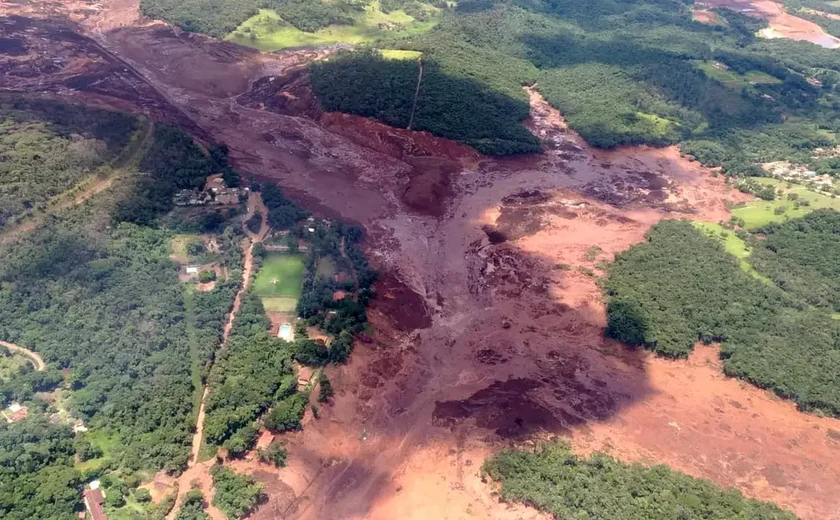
681, 287
48, 147
555, 480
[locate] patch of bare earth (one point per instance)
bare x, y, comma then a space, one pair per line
489, 327
782, 24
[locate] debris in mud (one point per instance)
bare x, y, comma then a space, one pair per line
631, 187
405, 308
546, 123
289, 94
506, 407
527, 213
491, 356
494, 235
12, 46
507, 270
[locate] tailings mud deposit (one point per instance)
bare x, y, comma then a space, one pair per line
781, 23
490, 326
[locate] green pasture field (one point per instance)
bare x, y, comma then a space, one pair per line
759, 213
281, 276
732, 79
732, 244
266, 31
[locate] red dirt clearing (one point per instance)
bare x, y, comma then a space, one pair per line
782, 23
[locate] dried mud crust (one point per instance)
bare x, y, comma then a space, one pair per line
51, 58
784, 24
489, 325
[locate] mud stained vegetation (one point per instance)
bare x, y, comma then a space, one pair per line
472, 341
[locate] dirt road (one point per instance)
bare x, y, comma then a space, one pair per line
198, 473
37, 360
87, 189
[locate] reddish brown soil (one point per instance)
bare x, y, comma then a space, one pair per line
489, 327
782, 23
707, 17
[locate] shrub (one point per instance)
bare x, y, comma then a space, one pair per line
287, 414
275, 454
142, 495
207, 276
325, 388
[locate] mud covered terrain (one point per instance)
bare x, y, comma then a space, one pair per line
781, 23
489, 322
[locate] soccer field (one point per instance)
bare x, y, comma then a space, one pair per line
281, 275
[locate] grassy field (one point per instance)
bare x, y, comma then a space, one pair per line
280, 304
266, 31
393, 54
281, 275
10, 364
759, 213
732, 79
326, 268
733, 245
106, 442
179, 246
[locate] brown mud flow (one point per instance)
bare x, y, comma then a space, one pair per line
781, 23
489, 327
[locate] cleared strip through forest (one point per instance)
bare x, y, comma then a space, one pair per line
198, 471
416, 92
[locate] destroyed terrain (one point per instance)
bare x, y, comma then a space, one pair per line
489, 323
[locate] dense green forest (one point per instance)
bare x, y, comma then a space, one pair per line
172, 162
553, 479
681, 287
449, 104
802, 257
634, 72
48, 147
37, 478
93, 290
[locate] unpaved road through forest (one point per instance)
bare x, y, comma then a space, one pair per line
199, 472
489, 331
37, 360
89, 188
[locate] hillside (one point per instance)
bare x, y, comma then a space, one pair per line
401, 259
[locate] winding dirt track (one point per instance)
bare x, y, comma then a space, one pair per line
489, 327
37, 360
81, 193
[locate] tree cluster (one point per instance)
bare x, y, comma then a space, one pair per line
193, 507
236, 495
555, 480
248, 377
37, 478
447, 104
681, 287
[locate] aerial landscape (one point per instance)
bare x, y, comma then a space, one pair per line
419, 259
